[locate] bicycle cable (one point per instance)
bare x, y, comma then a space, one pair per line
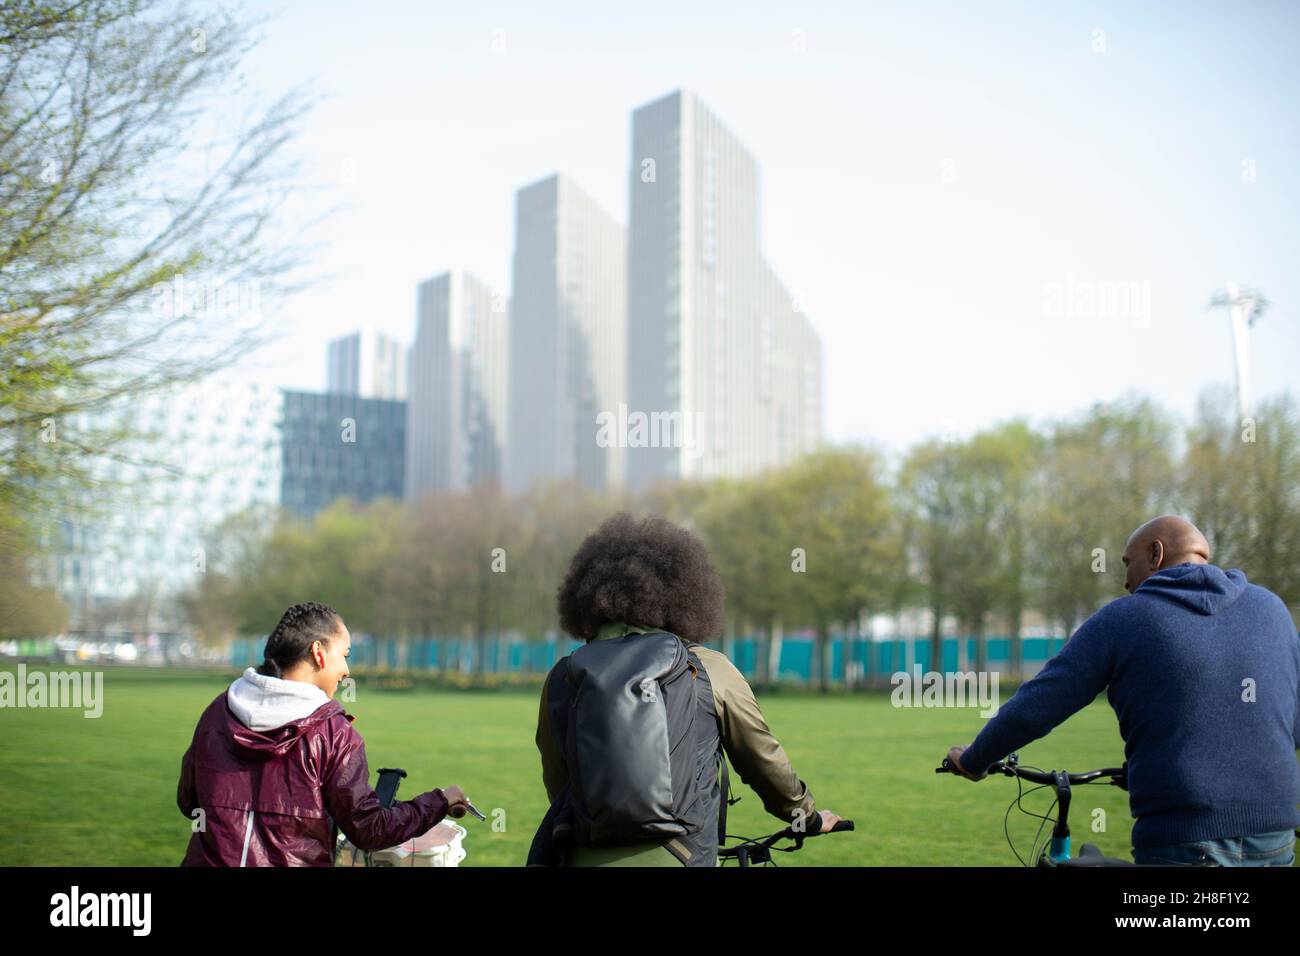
1021, 793
1017, 805
754, 842
1036, 849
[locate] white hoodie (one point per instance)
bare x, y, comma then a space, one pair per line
264, 703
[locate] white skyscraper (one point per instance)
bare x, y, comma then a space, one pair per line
724, 375
568, 336
456, 385
212, 450
368, 364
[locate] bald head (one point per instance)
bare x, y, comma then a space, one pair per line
1162, 543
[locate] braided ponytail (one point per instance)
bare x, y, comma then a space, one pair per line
301, 626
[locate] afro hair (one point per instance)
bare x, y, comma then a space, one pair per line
646, 572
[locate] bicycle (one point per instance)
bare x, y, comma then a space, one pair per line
751, 851
757, 851
1057, 851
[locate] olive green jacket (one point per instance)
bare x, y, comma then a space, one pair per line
757, 757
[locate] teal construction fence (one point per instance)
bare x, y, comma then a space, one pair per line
877, 660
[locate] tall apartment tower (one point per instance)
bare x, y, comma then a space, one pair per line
367, 364
568, 337
724, 375
456, 385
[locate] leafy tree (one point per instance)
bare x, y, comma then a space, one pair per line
1105, 473
1240, 483
138, 238
927, 492
840, 519
996, 468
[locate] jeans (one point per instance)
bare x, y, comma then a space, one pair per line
1262, 849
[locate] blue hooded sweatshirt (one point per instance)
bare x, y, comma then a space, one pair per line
1203, 672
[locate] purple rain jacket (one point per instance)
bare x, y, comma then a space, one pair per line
275, 765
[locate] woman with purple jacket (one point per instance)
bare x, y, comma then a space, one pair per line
276, 765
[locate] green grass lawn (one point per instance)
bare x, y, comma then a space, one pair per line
102, 792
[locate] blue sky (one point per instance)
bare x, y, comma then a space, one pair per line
946, 187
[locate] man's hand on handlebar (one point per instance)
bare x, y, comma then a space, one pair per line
954, 757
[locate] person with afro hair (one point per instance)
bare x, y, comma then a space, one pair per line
646, 575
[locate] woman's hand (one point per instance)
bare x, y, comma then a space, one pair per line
457, 802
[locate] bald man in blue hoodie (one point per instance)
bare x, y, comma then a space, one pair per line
1202, 669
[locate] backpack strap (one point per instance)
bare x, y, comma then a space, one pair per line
726, 795
722, 757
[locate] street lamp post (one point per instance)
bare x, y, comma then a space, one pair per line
1245, 306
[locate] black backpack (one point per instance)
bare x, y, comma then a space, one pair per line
634, 719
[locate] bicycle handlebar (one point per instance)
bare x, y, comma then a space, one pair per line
1011, 768
789, 833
